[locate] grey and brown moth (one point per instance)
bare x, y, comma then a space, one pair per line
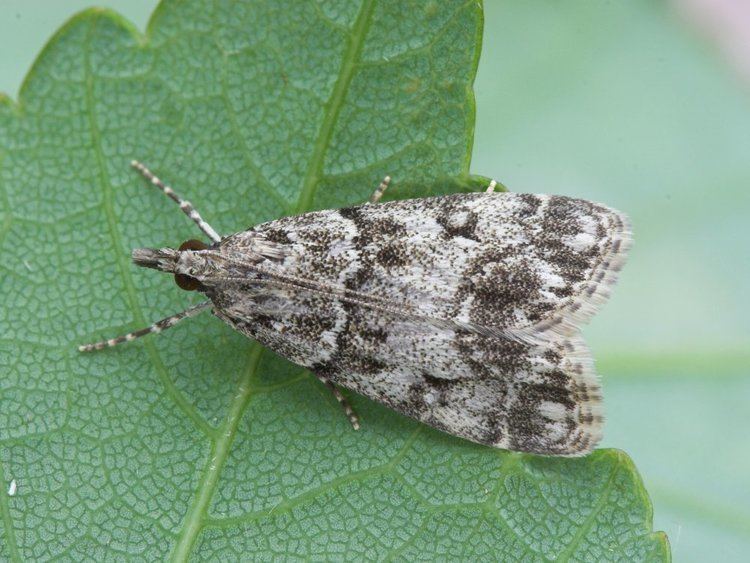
461, 311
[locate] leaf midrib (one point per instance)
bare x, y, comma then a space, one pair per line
195, 519
585, 528
221, 446
333, 106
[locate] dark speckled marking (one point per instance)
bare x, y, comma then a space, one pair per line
531, 204
280, 236
458, 221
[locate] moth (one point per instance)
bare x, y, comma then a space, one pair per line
462, 311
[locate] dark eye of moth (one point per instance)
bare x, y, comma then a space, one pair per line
184, 281
193, 244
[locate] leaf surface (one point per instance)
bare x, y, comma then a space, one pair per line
200, 444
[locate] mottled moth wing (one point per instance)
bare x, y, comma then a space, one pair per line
461, 311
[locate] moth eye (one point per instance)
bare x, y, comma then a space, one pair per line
186, 282
193, 244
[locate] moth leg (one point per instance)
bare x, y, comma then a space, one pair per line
491, 187
380, 190
155, 328
348, 410
186, 206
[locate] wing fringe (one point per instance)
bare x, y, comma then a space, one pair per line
580, 308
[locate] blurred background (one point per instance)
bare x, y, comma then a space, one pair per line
645, 106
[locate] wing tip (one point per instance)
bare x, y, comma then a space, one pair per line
587, 395
588, 392
576, 432
597, 290
604, 277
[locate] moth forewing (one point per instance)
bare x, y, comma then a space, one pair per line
461, 311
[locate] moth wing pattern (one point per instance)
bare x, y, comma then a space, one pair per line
461, 311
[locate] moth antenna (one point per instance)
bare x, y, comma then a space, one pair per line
186, 206
155, 328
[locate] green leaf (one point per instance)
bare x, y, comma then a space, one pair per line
199, 443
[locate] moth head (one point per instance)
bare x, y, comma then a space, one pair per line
184, 262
